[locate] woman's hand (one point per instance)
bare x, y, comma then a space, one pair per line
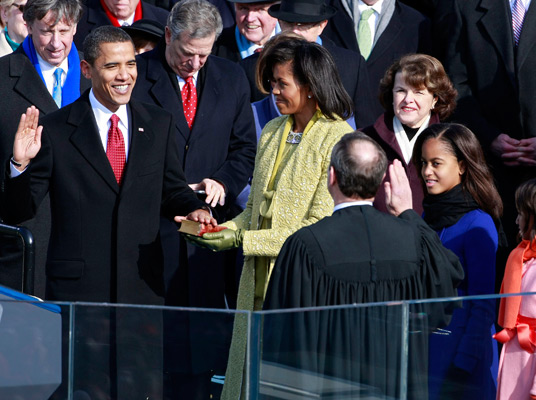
218, 241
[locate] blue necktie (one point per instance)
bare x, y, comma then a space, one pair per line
56, 92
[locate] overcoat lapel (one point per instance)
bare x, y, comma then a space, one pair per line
389, 35
30, 85
141, 142
207, 106
495, 14
527, 40
86, 140
165, 96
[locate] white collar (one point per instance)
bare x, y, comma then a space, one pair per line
406, 145
340, 206
376, 7
183, 81
102, 113
47, 68
526, 4
127, 22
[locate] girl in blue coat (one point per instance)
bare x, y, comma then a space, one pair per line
463, 206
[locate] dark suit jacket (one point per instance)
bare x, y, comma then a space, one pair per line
226, 46
94, 16
408, 31
353, 73
496, 86
220, 146
104, 243
22, 87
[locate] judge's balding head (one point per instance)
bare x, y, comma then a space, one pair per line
358, 165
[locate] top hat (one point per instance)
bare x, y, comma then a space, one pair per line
147, 28
302, 11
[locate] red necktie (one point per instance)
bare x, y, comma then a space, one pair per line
189, 101
115, 149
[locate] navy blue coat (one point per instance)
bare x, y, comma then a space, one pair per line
220, 146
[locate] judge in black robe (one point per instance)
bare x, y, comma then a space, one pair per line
359, 255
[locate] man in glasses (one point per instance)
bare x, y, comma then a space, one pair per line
15, 30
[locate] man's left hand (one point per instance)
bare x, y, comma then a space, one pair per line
214, 190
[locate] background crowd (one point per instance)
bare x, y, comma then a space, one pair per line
228, 112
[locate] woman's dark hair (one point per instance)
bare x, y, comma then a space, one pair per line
463, 144
526, 206
312, 66
420, 70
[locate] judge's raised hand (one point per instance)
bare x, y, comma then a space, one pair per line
398, 197
28, 138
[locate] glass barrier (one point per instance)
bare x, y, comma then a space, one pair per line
435, 349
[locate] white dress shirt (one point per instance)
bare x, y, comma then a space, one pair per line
127, 22
182, 82
526, 4
48, 72
340, 206
374, 18
103, 115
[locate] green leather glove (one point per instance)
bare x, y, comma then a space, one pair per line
218, 241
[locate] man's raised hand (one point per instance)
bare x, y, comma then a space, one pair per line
28, 138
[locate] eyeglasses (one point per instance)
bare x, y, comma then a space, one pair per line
19, 6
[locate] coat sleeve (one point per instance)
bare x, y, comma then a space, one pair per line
441, 271
480, 243
268, 242
292, 282
23, 194
177, 197
238, 166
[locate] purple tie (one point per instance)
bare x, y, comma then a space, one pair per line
518, 15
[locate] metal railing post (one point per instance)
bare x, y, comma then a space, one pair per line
28, 254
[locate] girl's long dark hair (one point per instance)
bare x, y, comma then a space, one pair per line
477, 179
526, 206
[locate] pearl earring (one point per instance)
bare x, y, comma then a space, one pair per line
309, 96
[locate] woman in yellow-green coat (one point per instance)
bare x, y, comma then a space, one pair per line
289, 186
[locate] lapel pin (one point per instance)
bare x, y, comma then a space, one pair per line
140, 130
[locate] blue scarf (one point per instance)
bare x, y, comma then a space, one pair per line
247, 48
71, 87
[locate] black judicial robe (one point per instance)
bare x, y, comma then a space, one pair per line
359, 255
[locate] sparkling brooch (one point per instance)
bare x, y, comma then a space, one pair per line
294, 137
